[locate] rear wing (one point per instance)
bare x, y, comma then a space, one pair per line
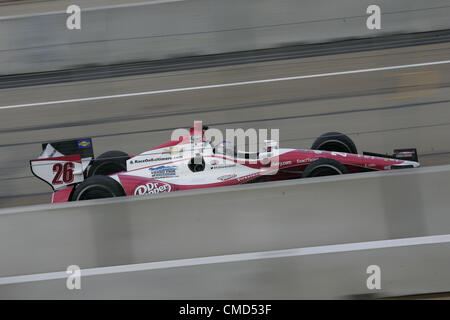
400, 154
64, 162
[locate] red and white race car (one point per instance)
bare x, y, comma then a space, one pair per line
192, 162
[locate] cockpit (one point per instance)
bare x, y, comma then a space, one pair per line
225, 147
229, 149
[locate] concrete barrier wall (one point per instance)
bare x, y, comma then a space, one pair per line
405, 270
198, 27
231, 220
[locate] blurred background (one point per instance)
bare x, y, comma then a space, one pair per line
139, 46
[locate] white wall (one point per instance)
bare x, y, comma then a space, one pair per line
197, 27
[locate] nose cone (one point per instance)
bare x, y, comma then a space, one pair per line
413, 163
409, 164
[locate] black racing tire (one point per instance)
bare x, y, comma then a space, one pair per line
324, 167
108, 163
335, 141
97, 187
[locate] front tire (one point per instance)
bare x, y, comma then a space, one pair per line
335, 141
324, 167
97, 187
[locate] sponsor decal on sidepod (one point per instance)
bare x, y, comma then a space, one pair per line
152, 188
227, 177
223, 166
163, 171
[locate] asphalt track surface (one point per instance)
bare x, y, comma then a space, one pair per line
397, 98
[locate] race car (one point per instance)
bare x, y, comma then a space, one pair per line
193, 161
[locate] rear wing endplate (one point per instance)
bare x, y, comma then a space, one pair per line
63, 163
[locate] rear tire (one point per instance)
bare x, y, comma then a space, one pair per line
108, 163
97, 187
334, 141
324, 167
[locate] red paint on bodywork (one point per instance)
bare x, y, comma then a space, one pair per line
62, 195
73, 158
131, 184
